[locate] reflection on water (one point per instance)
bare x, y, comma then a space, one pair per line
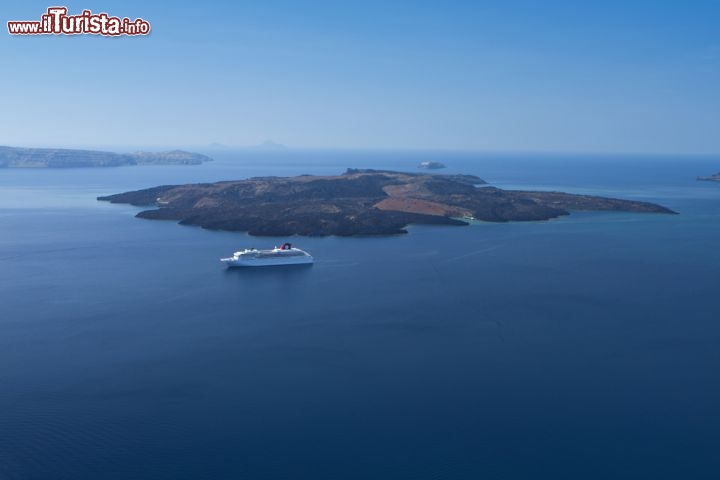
270, 272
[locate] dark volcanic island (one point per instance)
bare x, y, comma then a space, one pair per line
359, 202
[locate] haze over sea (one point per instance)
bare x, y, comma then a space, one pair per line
584, 347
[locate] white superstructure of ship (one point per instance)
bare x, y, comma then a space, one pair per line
286, 254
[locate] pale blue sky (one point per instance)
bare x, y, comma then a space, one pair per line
590, 76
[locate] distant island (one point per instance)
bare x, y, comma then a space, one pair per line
269, 145
13, 157
359, 202
711, 178
431, 165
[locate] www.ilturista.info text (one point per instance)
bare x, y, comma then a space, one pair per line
57, 22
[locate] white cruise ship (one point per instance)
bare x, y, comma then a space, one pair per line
283, 255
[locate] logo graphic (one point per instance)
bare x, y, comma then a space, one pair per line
57, 22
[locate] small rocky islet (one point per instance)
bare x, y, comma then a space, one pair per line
710, 178
358, 202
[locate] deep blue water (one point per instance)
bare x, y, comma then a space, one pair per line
585, 347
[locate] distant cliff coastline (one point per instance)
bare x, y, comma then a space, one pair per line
359, 202
13, 157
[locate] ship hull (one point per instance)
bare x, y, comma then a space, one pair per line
267, 262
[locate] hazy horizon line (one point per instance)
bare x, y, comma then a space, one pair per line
281, 148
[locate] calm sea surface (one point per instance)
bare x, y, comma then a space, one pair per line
580, 348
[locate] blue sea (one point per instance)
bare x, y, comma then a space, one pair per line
586, 347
